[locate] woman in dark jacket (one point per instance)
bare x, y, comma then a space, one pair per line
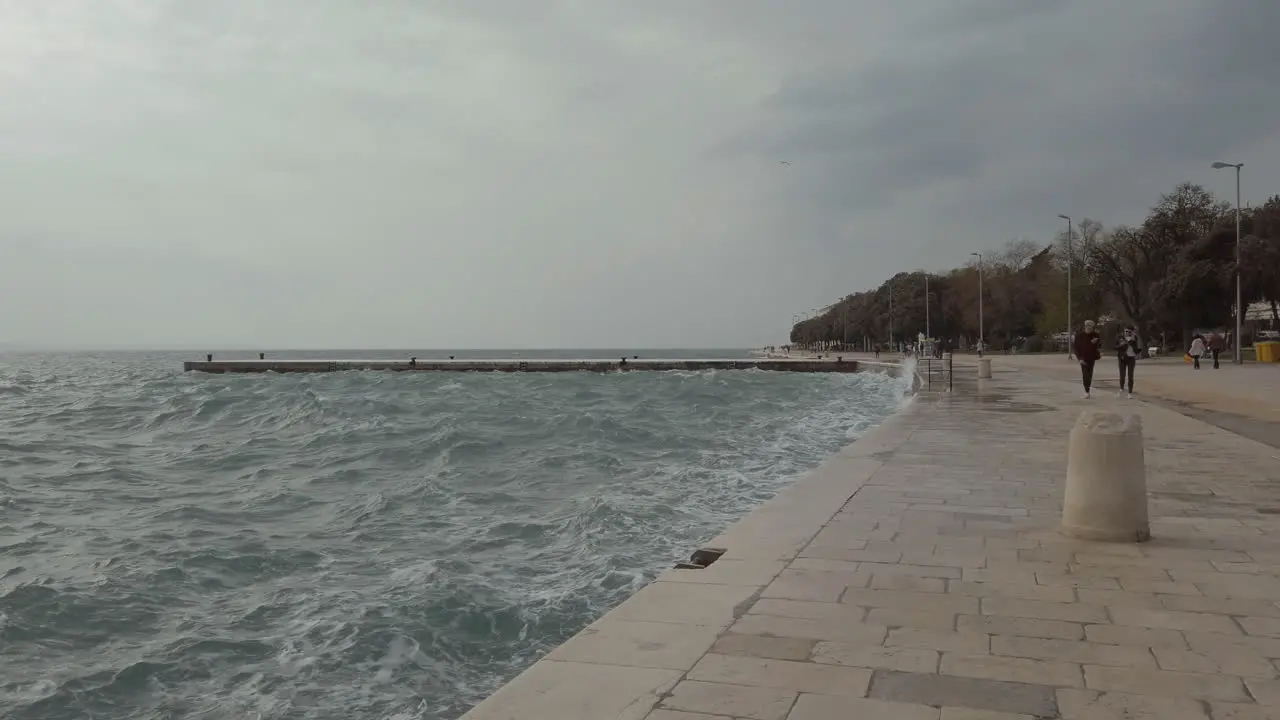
1127, 350
1088, 348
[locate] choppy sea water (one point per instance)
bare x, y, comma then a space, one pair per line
358, 545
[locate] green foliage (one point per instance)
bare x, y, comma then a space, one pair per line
1169, 275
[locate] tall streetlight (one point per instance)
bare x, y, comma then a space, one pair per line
892, 347
1238, 356
927, 333
981, 333
1070, 261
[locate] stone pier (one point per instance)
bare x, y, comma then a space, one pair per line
918, 574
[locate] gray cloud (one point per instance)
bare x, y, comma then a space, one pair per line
490, 173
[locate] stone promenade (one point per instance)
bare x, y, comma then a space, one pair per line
917, 574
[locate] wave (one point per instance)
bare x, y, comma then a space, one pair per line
361, 545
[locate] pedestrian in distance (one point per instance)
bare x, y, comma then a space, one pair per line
1196, 351
1088, 349
1127, 350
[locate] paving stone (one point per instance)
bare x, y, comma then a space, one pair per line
969, 643
953, 690
1245, 587
1241, 711
1119, 598
912, 570
738, 701
784, 674
1007, 575
807, 609
1161, 587
1072, 651
828, 707
1029, 627
911, 618
1012, 669
552, 690
908, 583
1234, 660
1094, 705
755, 573
826, 565
1265, 692
1206, 642
684, 603
661, 714
1077, 581
808, 628
640, 644
764, 646
814, 585
1136, 636
1025, 591
818, 550
1266, 627
1174, 620
874, 656
956, 713
1071, 612
1163, 682
1120, 573
1221, 606
944, 603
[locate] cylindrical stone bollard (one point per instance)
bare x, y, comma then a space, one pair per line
1106, 495
984, 368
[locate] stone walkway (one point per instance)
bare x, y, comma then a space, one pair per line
917, 574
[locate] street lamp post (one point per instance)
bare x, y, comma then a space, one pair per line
1071, 256
892, 347
981, 333
1238, 356
928, 334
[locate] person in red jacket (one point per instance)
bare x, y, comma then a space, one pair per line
1088, 348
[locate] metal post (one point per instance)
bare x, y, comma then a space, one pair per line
981, 316
1239, 355
951, 363
1070, 262
928, 335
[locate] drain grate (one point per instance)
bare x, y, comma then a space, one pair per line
701, 558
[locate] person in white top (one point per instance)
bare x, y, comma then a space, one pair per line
1197, 349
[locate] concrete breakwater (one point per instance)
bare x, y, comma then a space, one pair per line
824, 365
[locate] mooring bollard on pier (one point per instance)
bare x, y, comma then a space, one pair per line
984, 368
1106, 493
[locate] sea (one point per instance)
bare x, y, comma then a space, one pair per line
360, 545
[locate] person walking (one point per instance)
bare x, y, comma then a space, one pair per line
1088, 348
1197, 349
1127, 350
1215, 348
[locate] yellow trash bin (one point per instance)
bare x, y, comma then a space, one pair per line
1267, 351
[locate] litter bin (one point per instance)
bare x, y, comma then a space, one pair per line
1267, 351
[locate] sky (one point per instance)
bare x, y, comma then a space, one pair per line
579, 173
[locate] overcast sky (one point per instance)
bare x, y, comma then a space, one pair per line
585, 173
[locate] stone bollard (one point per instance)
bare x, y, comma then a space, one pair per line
1106, 495
984, 368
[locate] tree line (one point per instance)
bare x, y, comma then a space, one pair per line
1170, 275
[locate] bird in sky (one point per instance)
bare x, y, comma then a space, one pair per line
784, 162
